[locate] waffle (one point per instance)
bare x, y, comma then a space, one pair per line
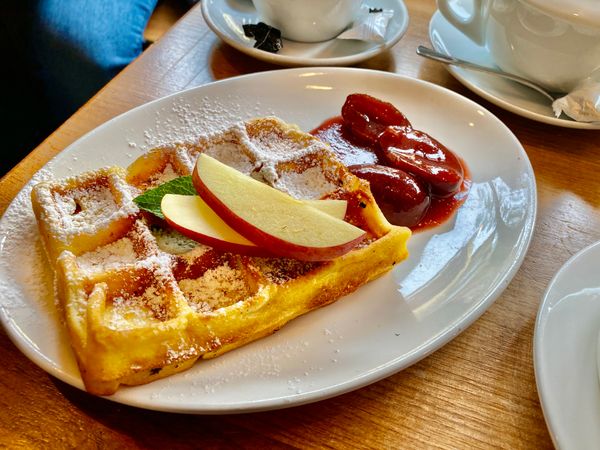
142, 302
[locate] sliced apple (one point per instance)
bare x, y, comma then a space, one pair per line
192, 217
271, 219
334, 207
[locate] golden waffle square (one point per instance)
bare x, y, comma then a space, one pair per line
142, 302
82, 213
160, 165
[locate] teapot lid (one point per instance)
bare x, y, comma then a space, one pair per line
584, 12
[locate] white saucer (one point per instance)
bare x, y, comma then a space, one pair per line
566, 352
226, 17
504, 93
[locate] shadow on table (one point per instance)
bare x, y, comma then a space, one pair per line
151, 429
154, 429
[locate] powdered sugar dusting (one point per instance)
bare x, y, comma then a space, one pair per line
26, 282
166, 175
186, 119
216, 288
128, 311
310, 184
181, 352
263, 152
183, 154
270, 362
269, 146
80, 207
89, 206
23, 267
230, 154
109, 256
192, 120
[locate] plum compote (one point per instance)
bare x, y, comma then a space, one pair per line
416, 180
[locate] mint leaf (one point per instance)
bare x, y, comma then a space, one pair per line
150, 200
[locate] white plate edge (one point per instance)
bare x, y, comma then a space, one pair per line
392, 367
537, 344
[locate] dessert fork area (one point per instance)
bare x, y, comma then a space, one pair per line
477, 391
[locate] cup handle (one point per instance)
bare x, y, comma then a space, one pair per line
472, 26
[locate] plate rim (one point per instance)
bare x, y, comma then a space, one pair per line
287, 60
497, 100
432, 344
541, 317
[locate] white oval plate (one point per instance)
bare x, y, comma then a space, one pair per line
226, 17
501, 92
566, 351
453, 275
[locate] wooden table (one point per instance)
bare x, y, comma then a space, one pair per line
478, 391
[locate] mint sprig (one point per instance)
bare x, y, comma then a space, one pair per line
150, 200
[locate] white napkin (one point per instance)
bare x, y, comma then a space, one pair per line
582, 104
370, 25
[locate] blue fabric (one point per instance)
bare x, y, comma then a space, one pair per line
57, 54
79, 45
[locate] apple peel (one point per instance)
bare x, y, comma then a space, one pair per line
192, 217
271, 219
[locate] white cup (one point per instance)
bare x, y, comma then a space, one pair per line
308, 20
555, 43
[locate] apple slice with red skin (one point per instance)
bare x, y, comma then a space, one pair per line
271, 219
192, 217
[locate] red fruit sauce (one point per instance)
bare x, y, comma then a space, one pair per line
408, 170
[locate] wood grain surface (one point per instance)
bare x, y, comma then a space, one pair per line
476, 392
